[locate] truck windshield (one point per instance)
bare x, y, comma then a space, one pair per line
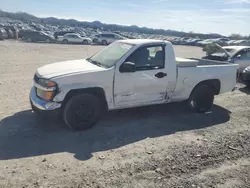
111, 54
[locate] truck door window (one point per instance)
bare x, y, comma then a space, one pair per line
148, 58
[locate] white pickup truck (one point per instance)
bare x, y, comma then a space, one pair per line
128, 73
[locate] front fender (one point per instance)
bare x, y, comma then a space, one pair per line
65, 89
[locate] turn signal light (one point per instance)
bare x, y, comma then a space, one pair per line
51, 84
49, 95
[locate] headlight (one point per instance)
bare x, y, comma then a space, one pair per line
46, 83
45, 89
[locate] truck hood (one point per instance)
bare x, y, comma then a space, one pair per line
67, 67
219, 51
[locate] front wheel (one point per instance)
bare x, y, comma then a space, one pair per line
47, 41
201, 98
29, 40
104, 42
85, 42
65, 41
82, 111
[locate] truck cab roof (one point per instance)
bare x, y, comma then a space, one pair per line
143, 41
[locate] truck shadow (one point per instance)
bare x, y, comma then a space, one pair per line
22, 136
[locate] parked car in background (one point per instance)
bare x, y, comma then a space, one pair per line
1, 36
23, 33
184, 40
234, 54
36, 36
245, 76
13, 30
74, 38
9, 33
193, 42
239, 55
3, 33
231, 42
107, 38
126, 74
61, 33
205, 42
221, 41
242, 43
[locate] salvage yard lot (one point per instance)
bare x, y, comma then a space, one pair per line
158, 146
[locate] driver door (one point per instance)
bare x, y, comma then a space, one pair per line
148, 84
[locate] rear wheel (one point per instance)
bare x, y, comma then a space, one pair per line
82, 111
29, 40
248, 84
104, 42
65, 41
201, 98
47, 41
85, 42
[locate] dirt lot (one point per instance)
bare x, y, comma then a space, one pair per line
159, 146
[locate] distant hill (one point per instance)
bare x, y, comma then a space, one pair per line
23, 16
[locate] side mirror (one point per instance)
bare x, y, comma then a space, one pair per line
238, 56
127, 67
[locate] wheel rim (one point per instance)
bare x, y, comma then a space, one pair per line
83, 113
85, 42
47, 41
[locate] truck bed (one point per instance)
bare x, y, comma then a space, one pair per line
194, 62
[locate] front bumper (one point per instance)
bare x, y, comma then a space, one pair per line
41, 104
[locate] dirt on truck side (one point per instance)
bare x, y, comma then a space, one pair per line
157, 146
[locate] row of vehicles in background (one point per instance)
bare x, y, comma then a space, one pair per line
7, 32
105, 38
200, 42
68, 37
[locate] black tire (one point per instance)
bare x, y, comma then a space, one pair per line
65, 41
29, 40
48, 41
247, 84
82, 111
104, 42
85, 42
201, 98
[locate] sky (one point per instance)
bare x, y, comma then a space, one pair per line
203, 16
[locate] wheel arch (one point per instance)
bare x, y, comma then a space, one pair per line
213, 83
96, 91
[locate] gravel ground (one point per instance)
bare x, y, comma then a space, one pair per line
157, 146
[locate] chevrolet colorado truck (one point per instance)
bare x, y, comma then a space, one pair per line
125, 74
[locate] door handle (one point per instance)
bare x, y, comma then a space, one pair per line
161, 75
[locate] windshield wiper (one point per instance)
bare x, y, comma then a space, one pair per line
94, 62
